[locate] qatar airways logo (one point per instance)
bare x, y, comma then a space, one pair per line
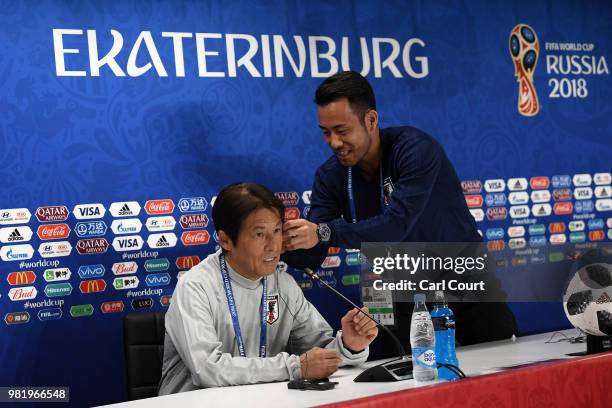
80, 53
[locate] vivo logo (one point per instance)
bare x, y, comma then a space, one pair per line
158, 279
495, 233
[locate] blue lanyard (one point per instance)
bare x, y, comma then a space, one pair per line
234, 313
351, 198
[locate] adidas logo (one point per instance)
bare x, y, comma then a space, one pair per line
604, 298
125, 210
542, 211
162, 241
15, 236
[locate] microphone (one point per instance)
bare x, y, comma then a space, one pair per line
394, 370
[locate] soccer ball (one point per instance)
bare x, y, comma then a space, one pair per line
588, 299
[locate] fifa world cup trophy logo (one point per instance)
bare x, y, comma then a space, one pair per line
524, 50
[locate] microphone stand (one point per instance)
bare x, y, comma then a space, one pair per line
394, 370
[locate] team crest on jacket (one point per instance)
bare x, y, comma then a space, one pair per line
388, 188
272, 309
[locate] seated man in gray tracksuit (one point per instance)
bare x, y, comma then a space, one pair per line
236, 318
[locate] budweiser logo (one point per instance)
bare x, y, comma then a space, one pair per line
165, 206
195, 237
53, 231
52, 213
23, 293
124, 268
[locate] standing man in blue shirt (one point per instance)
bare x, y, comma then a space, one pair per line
385, 185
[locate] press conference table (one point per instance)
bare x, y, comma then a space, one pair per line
525, 372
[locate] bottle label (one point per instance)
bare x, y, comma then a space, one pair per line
423, 357
443, 323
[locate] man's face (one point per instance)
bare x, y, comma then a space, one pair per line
258, 246
344, 132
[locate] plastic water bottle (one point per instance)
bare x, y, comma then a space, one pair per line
444, 327
422, 342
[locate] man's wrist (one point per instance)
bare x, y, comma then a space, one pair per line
350, 349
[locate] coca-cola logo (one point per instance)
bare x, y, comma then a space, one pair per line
195, 237
155, 207
53, 231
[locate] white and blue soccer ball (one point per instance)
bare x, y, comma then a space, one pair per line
588, 299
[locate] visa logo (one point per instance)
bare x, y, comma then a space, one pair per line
158, 279
127, 243
89, 211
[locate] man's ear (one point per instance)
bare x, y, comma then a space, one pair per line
371, 120
225, 241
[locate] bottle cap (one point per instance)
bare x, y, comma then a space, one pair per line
419, 297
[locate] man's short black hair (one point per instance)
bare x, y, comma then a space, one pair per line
237, 201
351, 85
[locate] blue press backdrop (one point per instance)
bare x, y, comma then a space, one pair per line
68, 140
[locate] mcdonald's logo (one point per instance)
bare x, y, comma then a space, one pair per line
21, 278
92, 286
187, 262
